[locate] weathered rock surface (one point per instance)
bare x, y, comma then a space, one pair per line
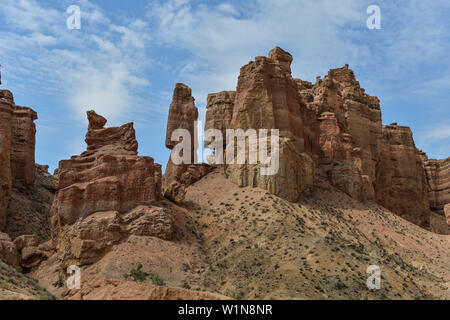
87, 240
22, 147
438, 178
8, 250
111, 289
183, 114
17, 143
109, 176
219, 111
29, 210
294, 177
267, 97
401, 181
337, 125
106, 194
6, 110
447, 213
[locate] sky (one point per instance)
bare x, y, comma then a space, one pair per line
127, 56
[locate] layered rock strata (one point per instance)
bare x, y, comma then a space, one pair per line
17, 150
183, 114
98, 191
108, 176
329, 129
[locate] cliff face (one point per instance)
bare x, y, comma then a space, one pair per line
438, 178
267, 98
334, 132
219, 113
106, 194
401, 180
22, 148
6, 110
108, 176
17, 144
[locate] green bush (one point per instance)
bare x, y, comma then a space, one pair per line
136, 274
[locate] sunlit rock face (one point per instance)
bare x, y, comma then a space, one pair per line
334, 131
17, 149
108, 176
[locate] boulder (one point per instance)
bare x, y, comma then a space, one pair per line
8, 251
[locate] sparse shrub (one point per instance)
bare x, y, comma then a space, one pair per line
157, 280
59, 283
136, 274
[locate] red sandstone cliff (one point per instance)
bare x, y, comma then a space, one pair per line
335, 132
17, 144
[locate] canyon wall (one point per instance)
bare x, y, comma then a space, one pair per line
331, 130
6, 111
17, 149
401, 184
438, 178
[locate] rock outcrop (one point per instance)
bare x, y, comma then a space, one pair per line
401, 181
22, 147
267, 98
438, 178
447, 213
183, 114
219, 113
23, 252
108, 176
17, 144
87, 240
6, 111
106, 194
8, 250
330, 130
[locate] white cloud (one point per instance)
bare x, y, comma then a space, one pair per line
221, 42
100, 66
438, 133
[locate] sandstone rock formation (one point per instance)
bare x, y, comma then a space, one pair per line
183, 114
334, 131
17, 143
219, 113
447, 213
29, 210
108, 176
87, 240
401, 181
6, 110
106, 194
23, 144
8, 250
267, 98
438, 178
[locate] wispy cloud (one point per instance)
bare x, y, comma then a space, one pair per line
101, 66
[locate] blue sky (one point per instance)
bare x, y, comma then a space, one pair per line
128, 55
